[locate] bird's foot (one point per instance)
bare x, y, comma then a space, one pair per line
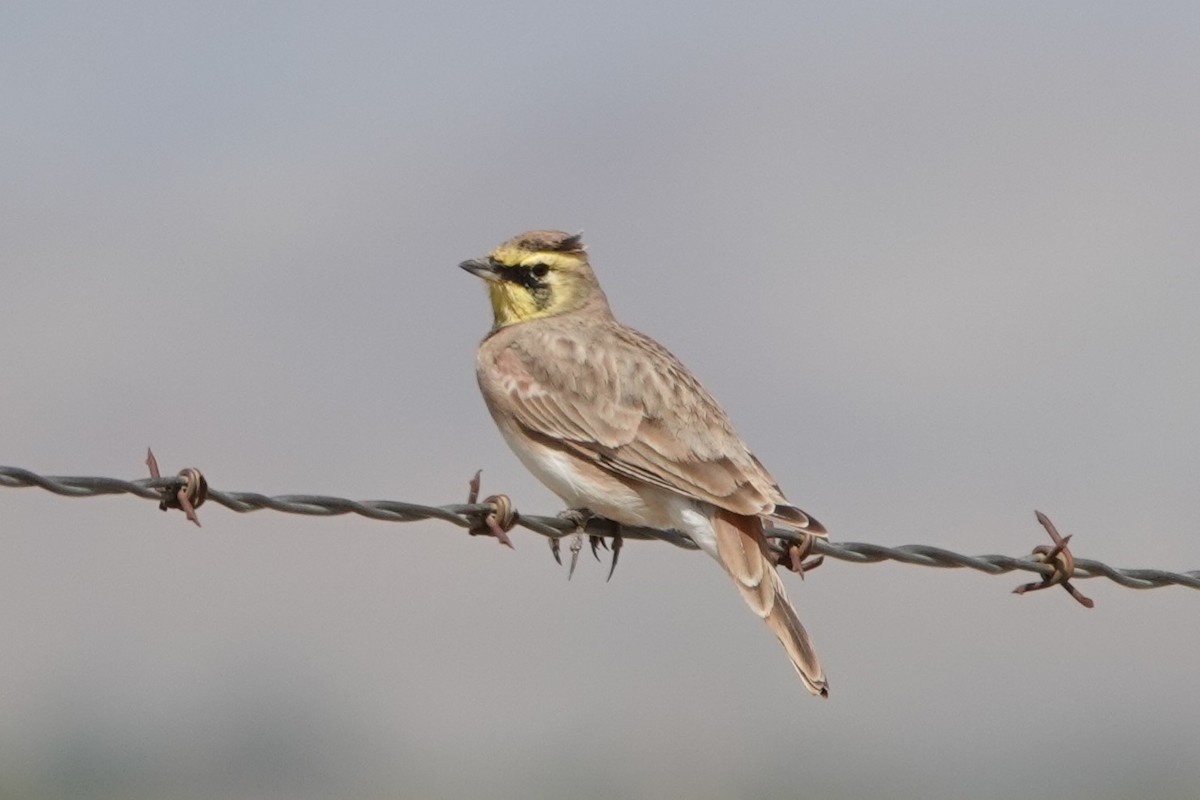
579, 518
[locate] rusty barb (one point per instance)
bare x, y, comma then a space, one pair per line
797, 552
497, 522
1059, 556
190, 496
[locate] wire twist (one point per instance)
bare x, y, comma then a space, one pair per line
468, 515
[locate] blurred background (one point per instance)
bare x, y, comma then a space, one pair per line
938, 260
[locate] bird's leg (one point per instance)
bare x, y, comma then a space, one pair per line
579, 518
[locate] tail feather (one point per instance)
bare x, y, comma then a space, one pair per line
784, 623
794, 517
742, 550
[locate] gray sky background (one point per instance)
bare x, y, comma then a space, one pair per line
938, 261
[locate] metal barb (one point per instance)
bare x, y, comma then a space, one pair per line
1059, 556
473, 488
796, 553
498, 521
190, 495
501, 520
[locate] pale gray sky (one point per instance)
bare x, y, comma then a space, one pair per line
938, 260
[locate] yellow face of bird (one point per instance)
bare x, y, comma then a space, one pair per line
537, 274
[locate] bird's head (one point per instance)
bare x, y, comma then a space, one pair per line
538, 274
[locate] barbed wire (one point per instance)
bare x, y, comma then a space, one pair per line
471, 515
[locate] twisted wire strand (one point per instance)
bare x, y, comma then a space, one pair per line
467, 516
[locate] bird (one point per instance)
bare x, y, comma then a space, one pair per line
616, 426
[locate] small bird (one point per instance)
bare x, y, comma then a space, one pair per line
617, 427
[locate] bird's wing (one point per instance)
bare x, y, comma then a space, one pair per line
621, 400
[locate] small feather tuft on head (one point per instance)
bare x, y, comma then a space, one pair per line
547, 242
555, 248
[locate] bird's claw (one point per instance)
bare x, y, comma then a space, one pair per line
597, 542
618, 540
578, 517
576, 546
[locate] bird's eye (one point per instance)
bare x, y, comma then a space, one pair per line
539, 270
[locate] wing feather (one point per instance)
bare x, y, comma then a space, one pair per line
618, 398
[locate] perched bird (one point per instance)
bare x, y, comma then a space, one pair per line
615, 425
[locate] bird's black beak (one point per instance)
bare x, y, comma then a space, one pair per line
482, 268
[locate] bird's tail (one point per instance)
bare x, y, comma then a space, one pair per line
742, 550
